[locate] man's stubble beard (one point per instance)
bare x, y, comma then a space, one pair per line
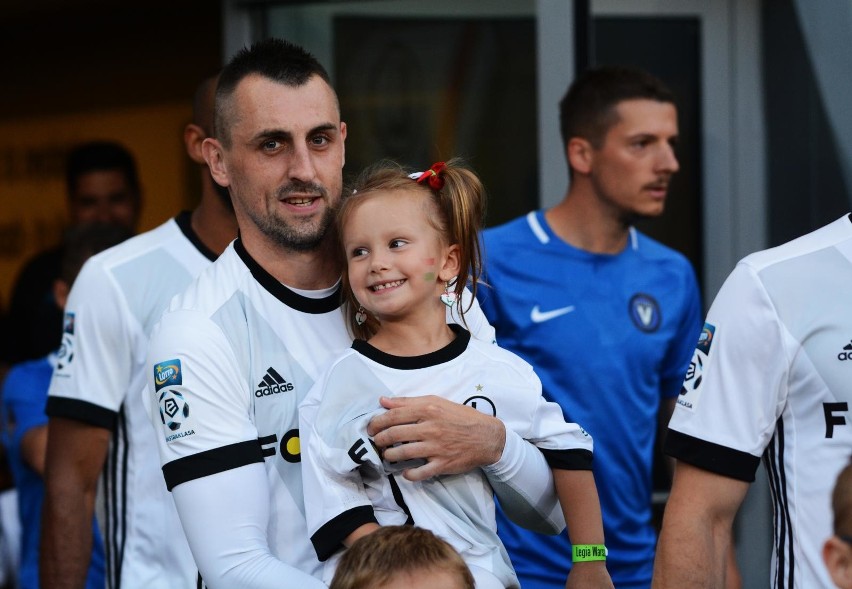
305, 235
298, 239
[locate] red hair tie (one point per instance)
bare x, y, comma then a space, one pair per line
432, 176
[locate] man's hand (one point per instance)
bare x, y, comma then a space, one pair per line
452, 438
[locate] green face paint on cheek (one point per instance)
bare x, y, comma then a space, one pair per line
429, 276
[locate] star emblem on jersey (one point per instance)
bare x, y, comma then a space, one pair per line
272, 384
846, 354
644, 312
539, 316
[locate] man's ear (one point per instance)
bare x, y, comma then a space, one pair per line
193, 137
837, 555
212, 151
452, 263
580, 155
60, 292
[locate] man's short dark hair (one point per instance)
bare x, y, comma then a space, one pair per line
100, 156
588, 108
274, 59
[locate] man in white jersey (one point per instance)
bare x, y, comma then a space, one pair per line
97, 422
772, 377
234, 355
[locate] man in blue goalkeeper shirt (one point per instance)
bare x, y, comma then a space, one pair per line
607, 316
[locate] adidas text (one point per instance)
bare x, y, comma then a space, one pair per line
274, 389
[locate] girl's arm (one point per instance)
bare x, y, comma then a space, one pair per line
579, 498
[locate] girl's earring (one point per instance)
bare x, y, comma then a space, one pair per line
361, 315
448, 297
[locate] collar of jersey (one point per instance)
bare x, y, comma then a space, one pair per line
184, 223
284, 294
452, 350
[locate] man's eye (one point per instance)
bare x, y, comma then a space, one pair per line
271, 145
319, 141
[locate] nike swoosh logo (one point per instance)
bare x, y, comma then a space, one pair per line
539, 316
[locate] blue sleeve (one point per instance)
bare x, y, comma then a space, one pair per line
485, 293
24, 397
683, 343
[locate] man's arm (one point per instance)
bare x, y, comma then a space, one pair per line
454, 439
694, 544
75, 457
226, 517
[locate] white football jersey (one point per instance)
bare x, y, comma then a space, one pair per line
772, 377
229, 364
116, 299
350, 484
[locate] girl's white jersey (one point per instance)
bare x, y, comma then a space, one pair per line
772, 377
350, 484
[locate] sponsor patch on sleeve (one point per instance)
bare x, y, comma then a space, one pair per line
68, 324
167, 374
690, 391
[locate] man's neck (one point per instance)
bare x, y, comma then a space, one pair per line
582, 221
308, 270
213, 221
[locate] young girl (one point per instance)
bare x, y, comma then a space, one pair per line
411, 245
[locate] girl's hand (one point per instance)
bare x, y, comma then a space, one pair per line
589, 575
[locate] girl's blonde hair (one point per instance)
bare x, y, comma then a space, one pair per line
376, 558
458, 203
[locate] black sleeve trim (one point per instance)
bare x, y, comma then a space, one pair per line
716, 458
84, 411
210, 462
329, 538
576, 459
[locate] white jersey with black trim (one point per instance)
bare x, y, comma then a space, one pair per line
229, 363
350, 484
772, 377
116, 299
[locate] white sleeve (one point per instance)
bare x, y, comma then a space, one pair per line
330, 478
225, 518
96, 358
741, 361
197, 398
523, 483
522, 478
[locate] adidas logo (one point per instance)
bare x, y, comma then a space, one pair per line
272, 384
846, 354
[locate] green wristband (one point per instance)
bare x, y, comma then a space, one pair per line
588, 552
